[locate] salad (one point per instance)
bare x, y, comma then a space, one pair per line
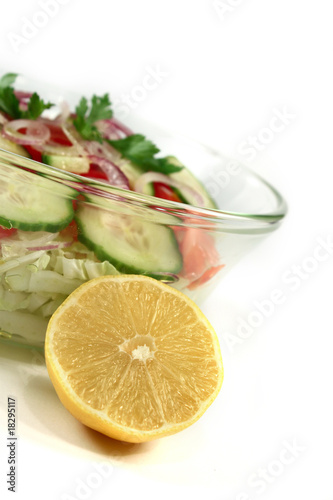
54, 237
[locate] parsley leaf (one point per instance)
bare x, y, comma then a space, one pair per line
141, 151
36, 106
10, 104
7, 80
135, 146
100, 109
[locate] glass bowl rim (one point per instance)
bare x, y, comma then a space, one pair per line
195, 216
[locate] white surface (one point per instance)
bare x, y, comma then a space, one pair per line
226, 77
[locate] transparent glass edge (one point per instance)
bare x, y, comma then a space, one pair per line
250, 222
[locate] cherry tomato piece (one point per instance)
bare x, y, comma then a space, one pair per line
34, 153
164, 191
6, 232
71, 230
57, 134
95, 172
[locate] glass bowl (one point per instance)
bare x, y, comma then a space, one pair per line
189, 247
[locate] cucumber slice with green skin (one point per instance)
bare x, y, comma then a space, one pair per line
130, 243
133, 172
12, 147
186, 177
76, 164
33, 203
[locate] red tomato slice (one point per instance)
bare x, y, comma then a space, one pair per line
194, 257
199, 252
95, 172
34, 153
5, 232
57, 134
164, 191
200, 257
71, 230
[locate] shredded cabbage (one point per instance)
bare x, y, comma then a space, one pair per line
34, 284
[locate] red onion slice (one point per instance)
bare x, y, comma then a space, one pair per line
105, 151
120, 126
165, 179
54, 148
39, 240
36, 132
21, 95
73, 136
108, 130
23, 98
115, 176
94, 148
61, 244
64, 113
3, 119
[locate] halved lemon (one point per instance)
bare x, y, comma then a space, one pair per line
133, 358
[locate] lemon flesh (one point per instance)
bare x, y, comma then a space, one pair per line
133, 358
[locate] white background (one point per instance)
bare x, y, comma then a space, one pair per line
225, 71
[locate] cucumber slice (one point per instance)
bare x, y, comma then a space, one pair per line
186, 177
130, 243
33, 203
12, 147
76, 164
133, 172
